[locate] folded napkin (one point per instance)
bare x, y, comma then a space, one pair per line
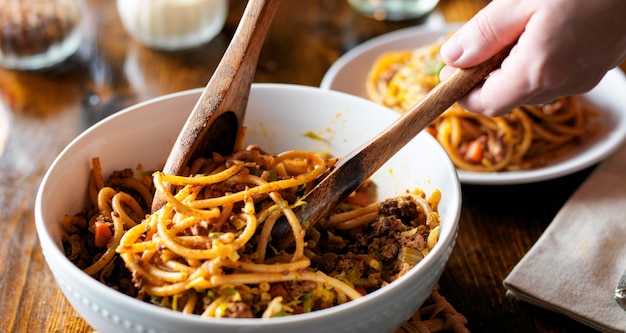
575, 265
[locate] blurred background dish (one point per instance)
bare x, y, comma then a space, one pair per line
349, 73
173, 24
394, 10
37, 34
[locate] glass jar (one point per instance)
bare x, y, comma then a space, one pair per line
173, 24
36, 34
394, 10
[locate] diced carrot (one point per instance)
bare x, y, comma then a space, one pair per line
475, 151
103, 234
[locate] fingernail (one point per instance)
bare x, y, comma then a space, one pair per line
445, 72
451, 50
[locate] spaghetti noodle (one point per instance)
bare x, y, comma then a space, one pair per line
527, 137
208, 250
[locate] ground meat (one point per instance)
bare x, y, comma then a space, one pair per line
387, 225
238, 310
400, 207
400, 225
416, 241
350, 261
297, 288
254, 154
202, 228
117, 176
223, 187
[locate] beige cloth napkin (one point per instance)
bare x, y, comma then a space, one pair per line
575, 265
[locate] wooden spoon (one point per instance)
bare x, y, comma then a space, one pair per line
218, 115
361, 163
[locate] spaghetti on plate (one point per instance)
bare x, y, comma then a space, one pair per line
527, 137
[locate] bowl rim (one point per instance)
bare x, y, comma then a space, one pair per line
54, 254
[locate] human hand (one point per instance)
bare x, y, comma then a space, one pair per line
563, 47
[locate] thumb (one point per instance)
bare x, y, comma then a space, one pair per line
496, 26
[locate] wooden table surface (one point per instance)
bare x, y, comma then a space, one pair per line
44, 110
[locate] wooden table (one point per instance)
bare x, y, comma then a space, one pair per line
46, 109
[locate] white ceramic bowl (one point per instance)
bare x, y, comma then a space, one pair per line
277, 117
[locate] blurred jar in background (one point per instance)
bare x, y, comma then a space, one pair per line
394, 10
36, 34
173, 24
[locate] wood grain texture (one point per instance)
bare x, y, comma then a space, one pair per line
218, 115
47, 109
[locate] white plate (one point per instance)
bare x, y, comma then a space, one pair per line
348, 74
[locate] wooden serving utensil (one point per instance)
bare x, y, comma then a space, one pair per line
361, 163
219, 113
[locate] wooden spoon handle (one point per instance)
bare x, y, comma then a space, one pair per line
361, 164
228, 89
219, 113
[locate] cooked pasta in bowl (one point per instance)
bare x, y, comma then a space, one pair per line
205, 261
